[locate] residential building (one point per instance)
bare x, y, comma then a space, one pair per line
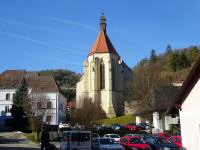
40, 87
187, 104
105, 76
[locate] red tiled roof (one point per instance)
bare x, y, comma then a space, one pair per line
103, 44
11, 79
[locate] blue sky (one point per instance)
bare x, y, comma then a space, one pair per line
59, 34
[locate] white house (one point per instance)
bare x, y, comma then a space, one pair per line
38, 85
105, 76
187, 103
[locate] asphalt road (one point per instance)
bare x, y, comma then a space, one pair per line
16, 141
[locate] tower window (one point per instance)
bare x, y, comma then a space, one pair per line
102, 76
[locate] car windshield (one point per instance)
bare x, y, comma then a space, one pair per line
80, 137
162, 140
107, 141
136, 141
114, 136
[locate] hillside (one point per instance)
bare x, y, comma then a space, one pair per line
175, 64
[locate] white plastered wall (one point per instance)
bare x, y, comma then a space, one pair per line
190, 119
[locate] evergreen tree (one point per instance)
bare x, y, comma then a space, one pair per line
153, 56
20, 120
192, 54
168, 49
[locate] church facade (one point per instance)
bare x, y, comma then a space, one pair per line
105, 76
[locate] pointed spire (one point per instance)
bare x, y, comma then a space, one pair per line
103, 43
103, 22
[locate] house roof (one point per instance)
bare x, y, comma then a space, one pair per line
186, 88
11, 79
162, 99
103, 43
44, 83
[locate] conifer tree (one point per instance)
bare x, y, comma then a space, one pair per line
20, 120
168, 49
153, 56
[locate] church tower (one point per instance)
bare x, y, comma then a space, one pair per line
105, 75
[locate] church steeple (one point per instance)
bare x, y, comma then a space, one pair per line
103, 43
103, 22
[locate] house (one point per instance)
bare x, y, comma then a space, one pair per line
187, 104
105, 76
43, 85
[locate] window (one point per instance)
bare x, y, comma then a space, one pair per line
48, 105
7, 109
7, 96
13, 96
39, 105
113, 77
102, 76
48, 120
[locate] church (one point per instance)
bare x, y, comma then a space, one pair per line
105, 76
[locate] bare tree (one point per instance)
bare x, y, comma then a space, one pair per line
89, 113
146, 80
35, 108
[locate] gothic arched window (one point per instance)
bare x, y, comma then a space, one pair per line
102, 76
113, 76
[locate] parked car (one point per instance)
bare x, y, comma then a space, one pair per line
165, 134
133, 127
143, 126
95, 135
132, 135
113, 136
118, 127
75, 140
106, 144
134, 142
63, 124
176, 140
158, 143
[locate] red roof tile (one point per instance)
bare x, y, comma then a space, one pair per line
103, 45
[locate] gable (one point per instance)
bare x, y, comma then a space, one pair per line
192, 101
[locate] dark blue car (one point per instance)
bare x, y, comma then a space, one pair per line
158, 143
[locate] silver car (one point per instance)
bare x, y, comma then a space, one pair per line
106, 144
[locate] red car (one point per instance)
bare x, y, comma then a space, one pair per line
136, 142
133, 127
176, 140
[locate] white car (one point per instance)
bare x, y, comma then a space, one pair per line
106, 144
113, 136
63, 124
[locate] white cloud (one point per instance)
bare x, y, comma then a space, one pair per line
42, 42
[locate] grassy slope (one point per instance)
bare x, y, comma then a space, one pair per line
119, 120
32, 137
